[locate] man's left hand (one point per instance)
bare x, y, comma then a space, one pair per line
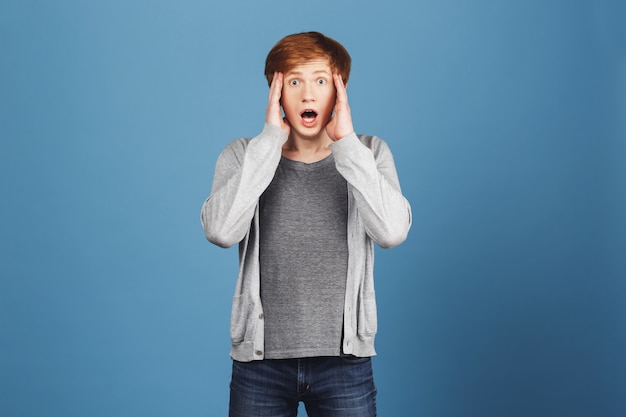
340, 125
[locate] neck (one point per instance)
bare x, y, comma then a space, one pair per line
307, 150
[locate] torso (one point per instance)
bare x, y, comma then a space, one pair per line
304, 256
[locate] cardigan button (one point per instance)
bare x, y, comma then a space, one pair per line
258, 352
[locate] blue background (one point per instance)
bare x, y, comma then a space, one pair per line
507, 122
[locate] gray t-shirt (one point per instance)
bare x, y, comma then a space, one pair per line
303, 259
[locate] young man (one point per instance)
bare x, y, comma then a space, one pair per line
305, 200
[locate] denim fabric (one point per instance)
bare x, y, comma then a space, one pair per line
328, 387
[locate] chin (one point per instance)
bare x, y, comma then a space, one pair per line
309, 135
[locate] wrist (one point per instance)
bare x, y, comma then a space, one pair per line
343, 135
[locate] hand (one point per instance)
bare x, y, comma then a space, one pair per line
340, 125
273, 113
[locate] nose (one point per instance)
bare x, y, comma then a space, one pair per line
307, 93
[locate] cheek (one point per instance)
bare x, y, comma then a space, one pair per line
290, 110
285, 101
329, 103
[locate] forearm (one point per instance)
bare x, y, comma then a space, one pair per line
243, 171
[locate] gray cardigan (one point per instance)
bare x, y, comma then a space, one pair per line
377, 212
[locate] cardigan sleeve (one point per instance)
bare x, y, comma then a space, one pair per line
367, 165
243, 171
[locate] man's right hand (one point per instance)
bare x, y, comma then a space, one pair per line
274, 114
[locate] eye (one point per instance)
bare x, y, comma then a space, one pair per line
294, 82
321, 81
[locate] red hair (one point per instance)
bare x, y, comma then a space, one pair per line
299, 48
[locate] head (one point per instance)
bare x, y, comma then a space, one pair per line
301, 48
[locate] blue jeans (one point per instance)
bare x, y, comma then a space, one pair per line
328, 387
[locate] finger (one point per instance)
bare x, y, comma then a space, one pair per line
270, 96
340, 87
279, 85
339, 84
276, 87
272, 84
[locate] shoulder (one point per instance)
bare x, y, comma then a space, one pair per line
235, 149
374, 143
237, 145
271, 137
369, 140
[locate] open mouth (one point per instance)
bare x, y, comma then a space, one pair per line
308, 116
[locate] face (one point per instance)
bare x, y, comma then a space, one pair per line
308, 98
